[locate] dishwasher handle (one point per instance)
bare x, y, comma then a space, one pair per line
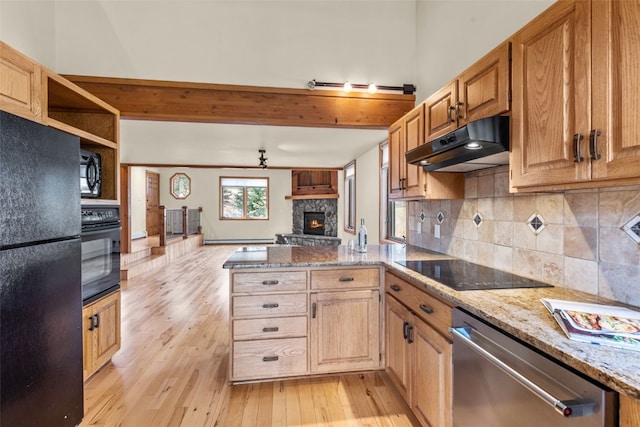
566, 408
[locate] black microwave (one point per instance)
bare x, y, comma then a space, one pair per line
90, 174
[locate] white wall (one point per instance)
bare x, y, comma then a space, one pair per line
205, 194
453, 34
368, 193
266, 43
29, 26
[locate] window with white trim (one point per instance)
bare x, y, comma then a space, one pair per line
244, 198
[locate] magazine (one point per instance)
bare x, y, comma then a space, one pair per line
597, 323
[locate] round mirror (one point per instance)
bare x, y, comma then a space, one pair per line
180, 185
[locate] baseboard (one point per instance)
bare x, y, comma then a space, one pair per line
238, 241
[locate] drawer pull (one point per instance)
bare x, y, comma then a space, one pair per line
426, 309
269, 282
346, 279
270, 359
275, 329
395, 288
274, 305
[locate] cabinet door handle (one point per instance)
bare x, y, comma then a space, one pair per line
405, 333
92, 325
270, 359
274, 329
269, 282
593, 142
410, 334
426, 309
97, 316
345, 279
451, 108
273, 305
313, 310
395, 288
458, 104
577, 158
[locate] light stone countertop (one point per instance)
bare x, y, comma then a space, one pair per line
519, 312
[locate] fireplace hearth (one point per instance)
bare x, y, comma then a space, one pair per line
314, 223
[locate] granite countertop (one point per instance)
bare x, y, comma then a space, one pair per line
517, 311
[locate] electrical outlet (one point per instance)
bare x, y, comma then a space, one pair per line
419, 229
436, 231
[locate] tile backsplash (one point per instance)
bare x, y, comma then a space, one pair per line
582, 239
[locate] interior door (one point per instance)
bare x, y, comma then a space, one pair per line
153, 203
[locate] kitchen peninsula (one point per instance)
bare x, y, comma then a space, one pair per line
518, 312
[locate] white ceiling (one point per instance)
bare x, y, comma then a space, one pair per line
238, 145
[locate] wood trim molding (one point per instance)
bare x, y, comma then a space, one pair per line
215, 103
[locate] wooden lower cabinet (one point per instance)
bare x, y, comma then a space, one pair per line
101, 332
295, 322
270, 358
397, 318
345, 331
431, 376
419, 355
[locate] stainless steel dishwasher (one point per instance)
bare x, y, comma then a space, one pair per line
500, 382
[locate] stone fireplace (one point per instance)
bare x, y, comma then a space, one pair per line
305, 211
327, 207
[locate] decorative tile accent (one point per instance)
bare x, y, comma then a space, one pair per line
440, 217
422, 216
478, 220
632, 228
536, 223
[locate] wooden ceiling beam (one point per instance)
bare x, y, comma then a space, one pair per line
214, 103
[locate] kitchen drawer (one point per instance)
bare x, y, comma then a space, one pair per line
269, 305
423, 304
273, 327
269, 358
345, 278
269, 281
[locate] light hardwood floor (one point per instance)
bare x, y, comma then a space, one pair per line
172, 369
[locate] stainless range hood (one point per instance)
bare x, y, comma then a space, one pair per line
480, 144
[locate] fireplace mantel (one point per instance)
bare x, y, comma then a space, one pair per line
313, 196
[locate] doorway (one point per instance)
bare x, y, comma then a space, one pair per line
152, 203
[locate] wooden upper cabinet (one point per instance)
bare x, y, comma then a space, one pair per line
397, 163
576, 98
407, 181
616, 89
440, 111
482, 90
20, 84
414, 136
36, 93
551, 69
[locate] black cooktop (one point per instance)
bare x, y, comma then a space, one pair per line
465, 276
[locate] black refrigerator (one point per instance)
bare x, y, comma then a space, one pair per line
41, 380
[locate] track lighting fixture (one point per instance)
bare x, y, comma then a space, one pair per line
406, 89
263, 159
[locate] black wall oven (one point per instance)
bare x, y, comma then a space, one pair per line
100, 251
